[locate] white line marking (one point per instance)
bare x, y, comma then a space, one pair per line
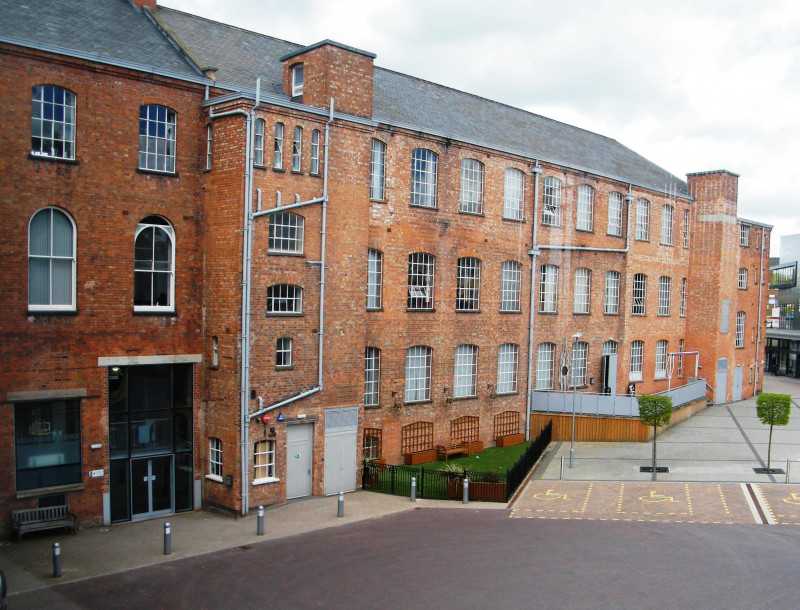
763, 502
753, 509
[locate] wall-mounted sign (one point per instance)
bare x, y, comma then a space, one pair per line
280, 416
96, 474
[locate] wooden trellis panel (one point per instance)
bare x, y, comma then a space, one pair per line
506, 422
464, 428
416, 437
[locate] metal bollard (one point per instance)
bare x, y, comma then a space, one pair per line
561, 476
340, 512
466, 490
413, 489
167, 540
788, 463
56, 560
260, 526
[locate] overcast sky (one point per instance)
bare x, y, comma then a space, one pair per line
692, 86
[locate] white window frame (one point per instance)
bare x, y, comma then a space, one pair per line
684, 289
551, 202
686, 218
374, 279
507, 368
298, 76
611, 298
215, 352
615, 203
740, 322
297, 149
40, 252
470, 200
287, 302
637, 361
664, 295
372, 376
53, 137
314, 168
158, 127
214, 459
548, 289
418, 374
610, 347
667, 224
264, 462
580, 354
510, 286
283, 353
468, 284
662, 347
377, 171
681, 349
584, 220
465, 371
424, 176
258, 143
642, 220
421, 281
152, 269
514, 194
744, 235
209, 136
639, 295
545, 365
286, 233
582, 294
743, 278
277, 154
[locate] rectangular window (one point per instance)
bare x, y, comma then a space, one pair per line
510, 286
686, 228
286, 233
470, 200
637, 355
258, 143
157, 138
465, 376
667, 224
420, 281
614, 214
551, 204
611, 303
548, 289
681, 348
284, 299
315, 152
513, 194
739, 337
683, 297
297, 149
424, 165
214, 352
744, 235
664, 295
208, 147
743, 278
545, 355
52, 122
468, 284
639, 294
580, 350
373, 438
215, 458
283, 353
661, 359
418, 373
377, 175
277, 155
374, 278
581, 299
585, 220
297, 80
642, 219
507, 364
372, 376
47, 443
264, 462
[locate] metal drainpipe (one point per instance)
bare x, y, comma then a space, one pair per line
758, 319
534, 253
323, 232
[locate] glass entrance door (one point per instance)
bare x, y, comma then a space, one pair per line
151, 486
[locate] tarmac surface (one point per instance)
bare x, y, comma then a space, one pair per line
710, 457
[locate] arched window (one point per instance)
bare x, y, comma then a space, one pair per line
157, 125
583, 289
551, 205
471, 197
286, 233
664, 295
545, 362
510, 286
637, 356
277, 155
465, 374
662, 347
52, 122
639, 295
507, 363
284, 299
642, 219
611, 303
314, 152
739, 338
377, 171
424, 164
585, 216
514, 194
468, 284
418, 373
614, 213
154, 260
372, 376
548, 289
421, 267
297, 149
258, 143
51, 261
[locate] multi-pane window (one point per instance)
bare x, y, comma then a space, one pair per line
639, 294
637, 356
286, 233
551, 204
51, 261
209, 141
154, 273
468, 284
609, 347
744, 235
513, 194
642, 219
420, 280
580, 350
507, 364
283, 352
297, 80
156, 138
681, 348
548, 289
611, 302
664, 295
743, 278
277, 154
377, 171
471, 197
215, 458
418, 373
52, 122
614, 213
585, 219
661, 359
510, 286
545, 363
424, 165
215, 352
264, 461
258, 143
686, 228
284, 299
465, 375
581, 298
297, 149
683, 297
667, 224
314, 169
739, 337
372, 376
372, 443
374, 278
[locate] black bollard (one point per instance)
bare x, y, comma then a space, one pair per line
56, 560
167, 540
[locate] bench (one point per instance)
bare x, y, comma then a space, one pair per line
36, 519
454, 448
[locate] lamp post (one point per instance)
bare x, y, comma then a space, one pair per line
576, 336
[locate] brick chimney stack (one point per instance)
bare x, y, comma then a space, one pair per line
151, 4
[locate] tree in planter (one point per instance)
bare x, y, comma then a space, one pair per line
655, 411
773, 410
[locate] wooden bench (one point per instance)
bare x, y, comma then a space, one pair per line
36, 519
454, 448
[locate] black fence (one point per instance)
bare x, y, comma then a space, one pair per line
449, 484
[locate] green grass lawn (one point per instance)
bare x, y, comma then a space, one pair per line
492, 459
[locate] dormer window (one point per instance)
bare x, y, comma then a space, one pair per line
297, 80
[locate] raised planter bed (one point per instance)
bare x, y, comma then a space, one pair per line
510, 439
474, 447
420, 457
489, 492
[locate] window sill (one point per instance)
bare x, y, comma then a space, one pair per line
279, 253
206, 170
289, 367
660, 376
265, 481
278, 314
46, 491
584, 230
605, 313
663, 243
314, 175
520, 220
35, 157
556, 225
155, 172
511, 311
374, 308
431, 310
468, 213
459, 398
502, 394
255, 166
636, 379
641, 239
424, 207
297, 172
279, 170
372, 200
154, 312
468, 311
614, 234
418, 402
664, 315
581, 313
548, 313
213, 477
372, 406
52, 312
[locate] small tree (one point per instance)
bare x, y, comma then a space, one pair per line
773, 409
655, 411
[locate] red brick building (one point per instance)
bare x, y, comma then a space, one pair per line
236, 266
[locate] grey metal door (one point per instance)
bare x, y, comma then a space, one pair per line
721, 390
299, 460
151, 487
738, 379
341, 448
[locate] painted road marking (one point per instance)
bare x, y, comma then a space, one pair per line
792, 499
764, 504
654, 497
550, 495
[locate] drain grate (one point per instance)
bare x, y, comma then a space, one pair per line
769, 471
650, 469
